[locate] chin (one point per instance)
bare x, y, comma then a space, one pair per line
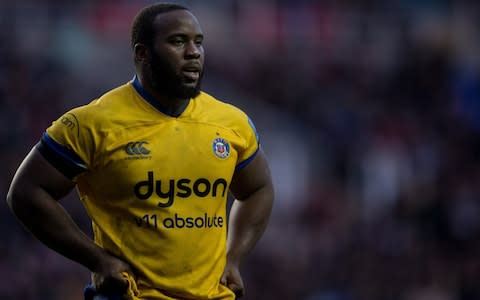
191, 90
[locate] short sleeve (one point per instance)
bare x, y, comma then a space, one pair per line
252, 143
68, 144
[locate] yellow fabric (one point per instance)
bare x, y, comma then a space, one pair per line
157, 186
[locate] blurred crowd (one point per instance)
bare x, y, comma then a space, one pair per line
369, 112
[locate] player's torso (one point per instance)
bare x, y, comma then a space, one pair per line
166, 164
157, 194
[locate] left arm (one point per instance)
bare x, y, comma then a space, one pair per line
253, 190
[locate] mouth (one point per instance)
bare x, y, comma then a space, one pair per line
191, 73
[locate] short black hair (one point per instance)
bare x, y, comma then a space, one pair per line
142, 26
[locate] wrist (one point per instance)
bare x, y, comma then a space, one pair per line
233, 259
98, 259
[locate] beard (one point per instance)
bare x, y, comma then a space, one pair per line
167, 81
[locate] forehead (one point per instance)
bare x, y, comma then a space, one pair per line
176, 22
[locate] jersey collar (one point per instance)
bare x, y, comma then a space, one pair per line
145, 95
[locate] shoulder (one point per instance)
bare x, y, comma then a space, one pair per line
226, 115
219, 108
100, 109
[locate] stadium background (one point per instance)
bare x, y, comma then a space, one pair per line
369, 113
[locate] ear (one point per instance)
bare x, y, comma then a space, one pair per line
141, 53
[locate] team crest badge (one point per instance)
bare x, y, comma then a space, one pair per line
221, 148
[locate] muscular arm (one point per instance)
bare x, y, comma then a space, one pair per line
253, 190
33, 197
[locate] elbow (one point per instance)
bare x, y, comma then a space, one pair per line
12, 197
21, 203
15, 198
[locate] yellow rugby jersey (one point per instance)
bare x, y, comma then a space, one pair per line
155, 185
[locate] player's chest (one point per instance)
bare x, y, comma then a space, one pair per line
172, 148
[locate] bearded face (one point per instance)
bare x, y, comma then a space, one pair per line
172, 80
173, 59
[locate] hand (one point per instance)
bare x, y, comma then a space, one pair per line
107, 278
232, 279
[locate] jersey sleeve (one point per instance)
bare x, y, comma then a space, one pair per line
68, 144
252, 143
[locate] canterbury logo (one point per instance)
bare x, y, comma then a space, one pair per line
137, 148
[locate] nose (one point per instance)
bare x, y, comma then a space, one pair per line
193, 50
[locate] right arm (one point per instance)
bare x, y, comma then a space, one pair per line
33, 197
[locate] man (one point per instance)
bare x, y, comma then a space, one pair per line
153, 161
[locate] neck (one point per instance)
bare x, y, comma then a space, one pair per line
167, 105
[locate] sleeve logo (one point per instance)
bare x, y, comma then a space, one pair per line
70, 121
221, 148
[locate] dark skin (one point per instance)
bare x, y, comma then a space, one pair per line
178, 42
33, 197
37, 186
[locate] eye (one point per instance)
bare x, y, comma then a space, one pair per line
199, 42
177, 42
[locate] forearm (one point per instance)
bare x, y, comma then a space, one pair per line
46, 219
248, 220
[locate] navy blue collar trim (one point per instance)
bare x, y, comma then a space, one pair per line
145, 95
